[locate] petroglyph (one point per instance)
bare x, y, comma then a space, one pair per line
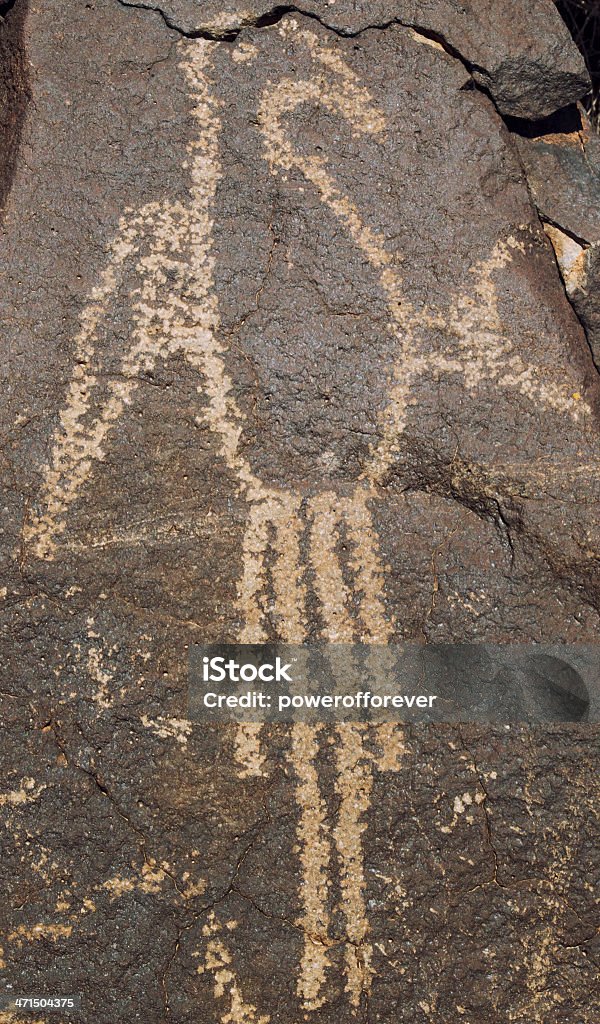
151, 881
178, 729
53, 932
319, 842
288, 535
26, 794
315, 853
479, 351
171, 246
247, 753
354, 786
217, 961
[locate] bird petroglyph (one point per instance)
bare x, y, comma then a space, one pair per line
175, 309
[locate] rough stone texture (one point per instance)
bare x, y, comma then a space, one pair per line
13, 91
287, 354
580, 269
522, 53
562, 163
563, 170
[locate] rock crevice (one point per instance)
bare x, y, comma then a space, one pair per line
530, 65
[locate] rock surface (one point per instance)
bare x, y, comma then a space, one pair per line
13, 91
563, 171
522, 53
288, 355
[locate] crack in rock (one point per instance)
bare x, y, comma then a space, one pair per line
529, 64
561, 160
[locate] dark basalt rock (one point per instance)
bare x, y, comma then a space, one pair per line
287, 355
521, 53
14, 92
585, 296
562, 163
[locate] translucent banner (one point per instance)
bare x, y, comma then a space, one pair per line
496, 683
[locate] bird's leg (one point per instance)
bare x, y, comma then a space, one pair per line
314, 845
273, 536
271, 547
329, 514
353, 784
350, 595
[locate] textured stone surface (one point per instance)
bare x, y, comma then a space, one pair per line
563, 171
13, 91
580, 269
522, 53
287, 355
562, 163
